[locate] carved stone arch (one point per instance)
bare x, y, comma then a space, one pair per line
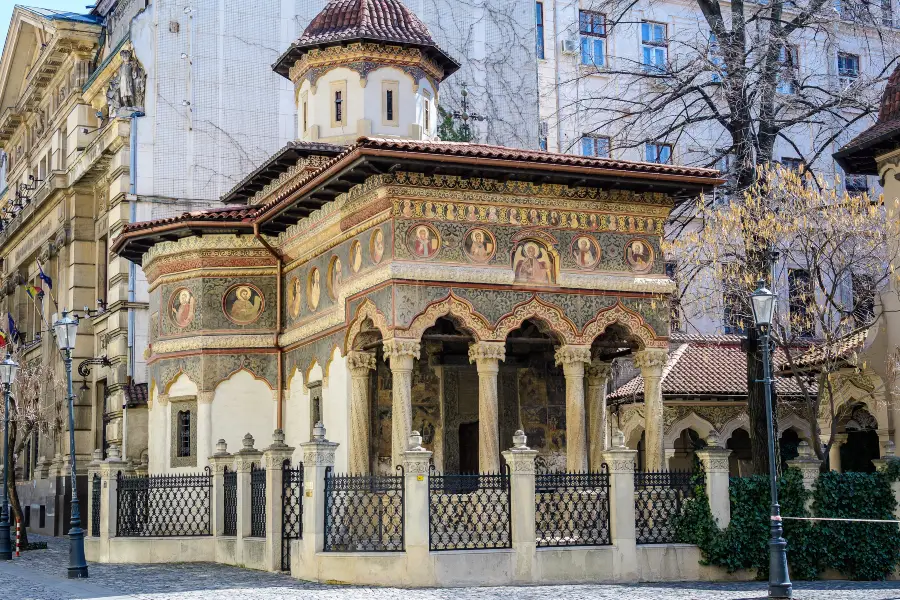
329, 359
791, 420
171, 379
538, 310
728, 429
366, 310
292, 370
219, 367
633, 430
457, 310
853, 390
220, 380
690, 421
626, 318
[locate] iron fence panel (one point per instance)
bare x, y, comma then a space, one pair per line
572, 509
164, 505
658, 497
469, 511
230, 502
364, 513
291, 510
257, 501
95, 505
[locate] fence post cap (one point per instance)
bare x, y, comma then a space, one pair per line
520, 440
889, 449
618, 440
278, 437
221, 448
415, 441
96, 456
712, 440
113, 452
248, 442
318, 434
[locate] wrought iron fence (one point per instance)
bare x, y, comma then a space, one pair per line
658, 497
572, 509
291, 510
164, 505
257, 501
469, 511
230, 502
95, 506
364, 513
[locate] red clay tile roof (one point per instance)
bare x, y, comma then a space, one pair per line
706, 368
842, 349
223, 214
858, 156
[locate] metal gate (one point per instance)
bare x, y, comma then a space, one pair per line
291, 510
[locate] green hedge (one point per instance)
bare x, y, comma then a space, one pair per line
859, 551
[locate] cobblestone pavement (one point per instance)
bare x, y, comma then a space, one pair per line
41, 575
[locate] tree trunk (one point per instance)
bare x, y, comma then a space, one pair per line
13, 494
756, 407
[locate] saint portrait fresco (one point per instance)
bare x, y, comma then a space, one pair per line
295, 297
335, 277
182, 307
355, 256
313, 289
586, 252
532, 263
479, 245
243, 304
423, 241
639, 256
376, 246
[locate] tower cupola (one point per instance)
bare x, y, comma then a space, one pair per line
365, 67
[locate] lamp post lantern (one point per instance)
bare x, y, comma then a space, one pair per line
66, 330
8, 370
762, 301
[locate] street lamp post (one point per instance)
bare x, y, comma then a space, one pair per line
8, 369
762, 301
66, 329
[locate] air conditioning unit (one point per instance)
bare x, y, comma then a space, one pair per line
569, 47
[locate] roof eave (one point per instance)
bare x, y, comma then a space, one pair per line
132, 245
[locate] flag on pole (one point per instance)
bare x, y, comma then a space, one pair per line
34, 292
13, 330
43, 276
3, 338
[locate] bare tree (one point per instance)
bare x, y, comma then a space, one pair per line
833, 254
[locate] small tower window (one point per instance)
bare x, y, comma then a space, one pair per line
305, 113
390, 95
339, 103
389, 104
338, 106
184, 433
426, 100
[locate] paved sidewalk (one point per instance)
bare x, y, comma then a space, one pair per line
41, 575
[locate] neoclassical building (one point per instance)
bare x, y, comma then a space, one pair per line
378, 280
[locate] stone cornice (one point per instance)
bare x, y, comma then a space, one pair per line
335, 56
205, 341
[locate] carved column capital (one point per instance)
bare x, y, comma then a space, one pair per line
398, 348
598, 372
651, 361
205, 397
163, 399
487, 350
573, 358
360, 363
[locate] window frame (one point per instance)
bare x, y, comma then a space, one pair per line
540, 48
338, 104
390, 113
304, 116
654, 46
847, 77
592, 32
593, 139
426, 111
789, 63
659, 145
179, 405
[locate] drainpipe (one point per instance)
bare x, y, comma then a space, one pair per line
132, 274
279, 413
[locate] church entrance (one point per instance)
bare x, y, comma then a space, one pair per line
468, 447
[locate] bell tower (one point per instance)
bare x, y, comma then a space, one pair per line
365, 68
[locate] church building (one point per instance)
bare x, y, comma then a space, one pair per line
379, 280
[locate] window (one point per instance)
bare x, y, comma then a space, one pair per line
539, 19
799, 298
426, 102
658, 153
305, 121
338, 106
184, 433
788, 62
654, 46
887, 13
793, 164
715, 58
592, 26
856, 184
595, 145
102, 268
674, 300
848, 68
863, 299
390, 96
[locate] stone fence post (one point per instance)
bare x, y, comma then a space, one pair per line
881, 464
218, 462
415, 510
318, 455
274, 457
714, 459
520, 460
244, 459
109, 497
87, 521
620, 461
808, 465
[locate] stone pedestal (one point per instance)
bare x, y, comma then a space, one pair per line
651, 363
244, 460
109, 497
274, 458
415, 509
218, 462
318, 455
808, 465
520, 460
487, 357
620, 461
402, 355
573, 359
714, 459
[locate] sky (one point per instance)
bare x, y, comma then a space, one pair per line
6, 8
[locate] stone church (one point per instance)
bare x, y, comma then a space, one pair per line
377, 279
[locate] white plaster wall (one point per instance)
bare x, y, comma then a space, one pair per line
242, 404
336, 408
409, 103
156, 449
320, 103
296, 414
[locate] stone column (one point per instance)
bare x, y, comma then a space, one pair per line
809, 467
244, 459
597, 375
715, 464
572, 358
274, 457
109, 496
520, 460
888, 456
204, 426
415, 497
359, 363
651, 363
487, 357
620, 461
218, 462
318, 455
93, 468
402, 355
834, 453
